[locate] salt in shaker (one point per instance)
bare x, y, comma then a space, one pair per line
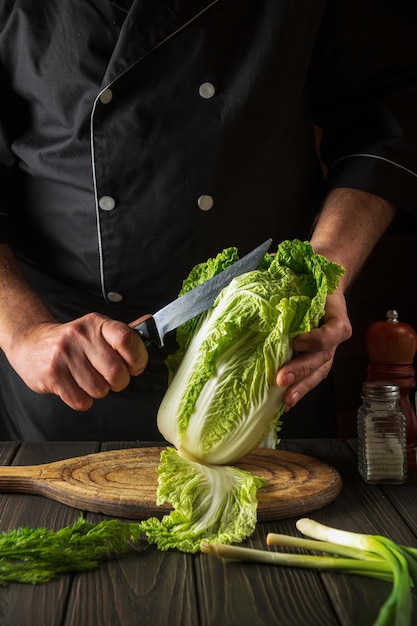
382, 437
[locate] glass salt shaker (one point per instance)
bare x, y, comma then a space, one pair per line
382, 437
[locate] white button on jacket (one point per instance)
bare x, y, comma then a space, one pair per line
205, 202
114, 296
107, 203
106, 96
207, 90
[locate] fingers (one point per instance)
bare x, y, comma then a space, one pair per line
110, 361
314, 352
130, 348
302, 374
80, 361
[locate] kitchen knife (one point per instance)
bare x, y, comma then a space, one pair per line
199, 299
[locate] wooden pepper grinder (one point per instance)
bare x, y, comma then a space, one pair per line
391, 347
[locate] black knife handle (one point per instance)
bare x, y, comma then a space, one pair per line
148, 332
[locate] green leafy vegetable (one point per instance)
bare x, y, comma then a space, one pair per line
398, 605
38, 555
352, 553
210, 502
223, 400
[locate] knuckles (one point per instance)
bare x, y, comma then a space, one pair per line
94, 353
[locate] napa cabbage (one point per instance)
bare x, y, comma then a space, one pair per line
222, 401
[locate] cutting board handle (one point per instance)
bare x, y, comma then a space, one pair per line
21, 478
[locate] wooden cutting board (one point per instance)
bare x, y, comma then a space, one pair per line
123, 483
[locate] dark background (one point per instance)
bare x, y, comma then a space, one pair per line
387, 281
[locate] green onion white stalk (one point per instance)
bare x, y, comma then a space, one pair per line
237, 553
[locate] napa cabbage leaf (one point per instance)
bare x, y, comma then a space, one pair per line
211, 503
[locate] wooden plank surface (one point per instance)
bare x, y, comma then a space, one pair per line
236, 595
360, 508
148, 587
37, 605
153, 587
301, 596
8, 450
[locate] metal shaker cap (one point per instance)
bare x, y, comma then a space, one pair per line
380, 390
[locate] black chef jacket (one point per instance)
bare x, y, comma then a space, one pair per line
140, 137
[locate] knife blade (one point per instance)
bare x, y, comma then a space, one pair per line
198, 300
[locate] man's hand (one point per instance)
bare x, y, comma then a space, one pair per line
348, 227
78, 361
314, 352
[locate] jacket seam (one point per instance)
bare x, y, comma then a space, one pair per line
378, 157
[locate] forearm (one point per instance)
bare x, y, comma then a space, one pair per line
20, 308
348, 227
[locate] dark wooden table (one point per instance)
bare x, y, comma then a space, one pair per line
153, 588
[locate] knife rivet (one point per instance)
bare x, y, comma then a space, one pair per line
114, 296
205, 202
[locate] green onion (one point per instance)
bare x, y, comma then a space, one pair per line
352, 553
398, 605
237, 553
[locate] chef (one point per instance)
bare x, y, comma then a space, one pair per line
140, 137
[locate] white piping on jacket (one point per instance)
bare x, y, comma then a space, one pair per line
93, 165
376, 156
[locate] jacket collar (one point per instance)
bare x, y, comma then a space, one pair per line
148, 24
